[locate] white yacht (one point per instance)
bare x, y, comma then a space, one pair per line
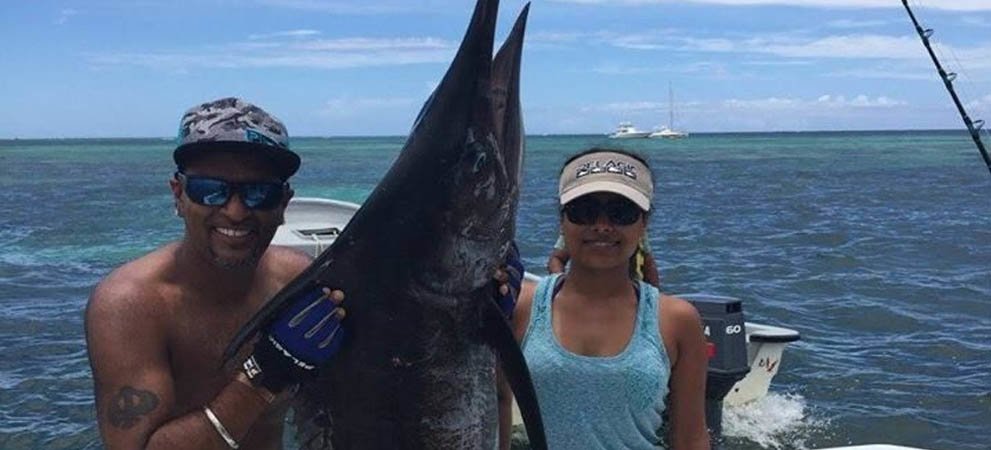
626, 130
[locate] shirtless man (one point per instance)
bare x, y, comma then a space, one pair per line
157, 326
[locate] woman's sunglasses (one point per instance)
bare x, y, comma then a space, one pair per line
260, 195
586, 210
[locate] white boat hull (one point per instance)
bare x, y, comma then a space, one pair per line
668, 134
873, 447
630, 135
626, 130
312, 224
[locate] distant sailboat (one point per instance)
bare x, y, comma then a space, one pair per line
669, 132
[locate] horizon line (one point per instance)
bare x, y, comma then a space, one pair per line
529, 135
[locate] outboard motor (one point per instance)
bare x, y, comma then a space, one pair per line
723, 322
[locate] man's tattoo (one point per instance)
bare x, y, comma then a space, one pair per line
129, 405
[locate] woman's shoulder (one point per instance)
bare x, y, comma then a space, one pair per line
678, 307
677, 314
681, 327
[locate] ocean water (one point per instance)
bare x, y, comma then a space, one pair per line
875, 246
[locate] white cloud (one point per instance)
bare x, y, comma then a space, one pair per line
848, 23
64, 15
625, 107
976, 21
824, 101
636, 107
842, 46
781, 44
827, 111
705, 69
981, 103
778, 63
549, 37
552, 37
297, 53
281, 34
956, 5
340, 7
771, 103
374, 44
885, 73
860, 101
852, 46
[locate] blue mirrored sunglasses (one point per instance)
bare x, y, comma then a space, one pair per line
261, 195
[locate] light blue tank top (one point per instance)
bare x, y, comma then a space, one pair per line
590, 402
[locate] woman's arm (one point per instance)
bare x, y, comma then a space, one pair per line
521, 318
688, 371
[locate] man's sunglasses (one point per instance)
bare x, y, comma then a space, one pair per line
586, 210
261, 195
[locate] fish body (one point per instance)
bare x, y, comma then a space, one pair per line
418, 368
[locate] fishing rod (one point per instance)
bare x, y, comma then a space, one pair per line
973, 126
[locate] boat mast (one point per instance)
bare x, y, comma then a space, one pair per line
670, 107
974, 127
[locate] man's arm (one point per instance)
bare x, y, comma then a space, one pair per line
135, 397
558, 260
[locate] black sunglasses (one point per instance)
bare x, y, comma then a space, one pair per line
586, 210
260, 195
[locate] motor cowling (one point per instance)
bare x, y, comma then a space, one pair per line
725, 333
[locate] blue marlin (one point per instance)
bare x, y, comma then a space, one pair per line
416, 261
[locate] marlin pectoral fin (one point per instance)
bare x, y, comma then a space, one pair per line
499, 336
305, 281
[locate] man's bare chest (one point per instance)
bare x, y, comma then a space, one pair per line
198, 339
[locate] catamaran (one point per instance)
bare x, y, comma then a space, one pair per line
669, 132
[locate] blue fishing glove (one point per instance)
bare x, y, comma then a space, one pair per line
297, 343
514, 269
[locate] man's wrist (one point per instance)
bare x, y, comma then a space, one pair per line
265, 394
270, 366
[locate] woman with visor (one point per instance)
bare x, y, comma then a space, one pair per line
611, 358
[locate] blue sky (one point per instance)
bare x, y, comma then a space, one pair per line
108, 68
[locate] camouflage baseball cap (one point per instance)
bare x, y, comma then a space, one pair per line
232, 124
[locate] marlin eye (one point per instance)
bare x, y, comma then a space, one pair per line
480, 160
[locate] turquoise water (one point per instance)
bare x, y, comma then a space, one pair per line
875, 246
